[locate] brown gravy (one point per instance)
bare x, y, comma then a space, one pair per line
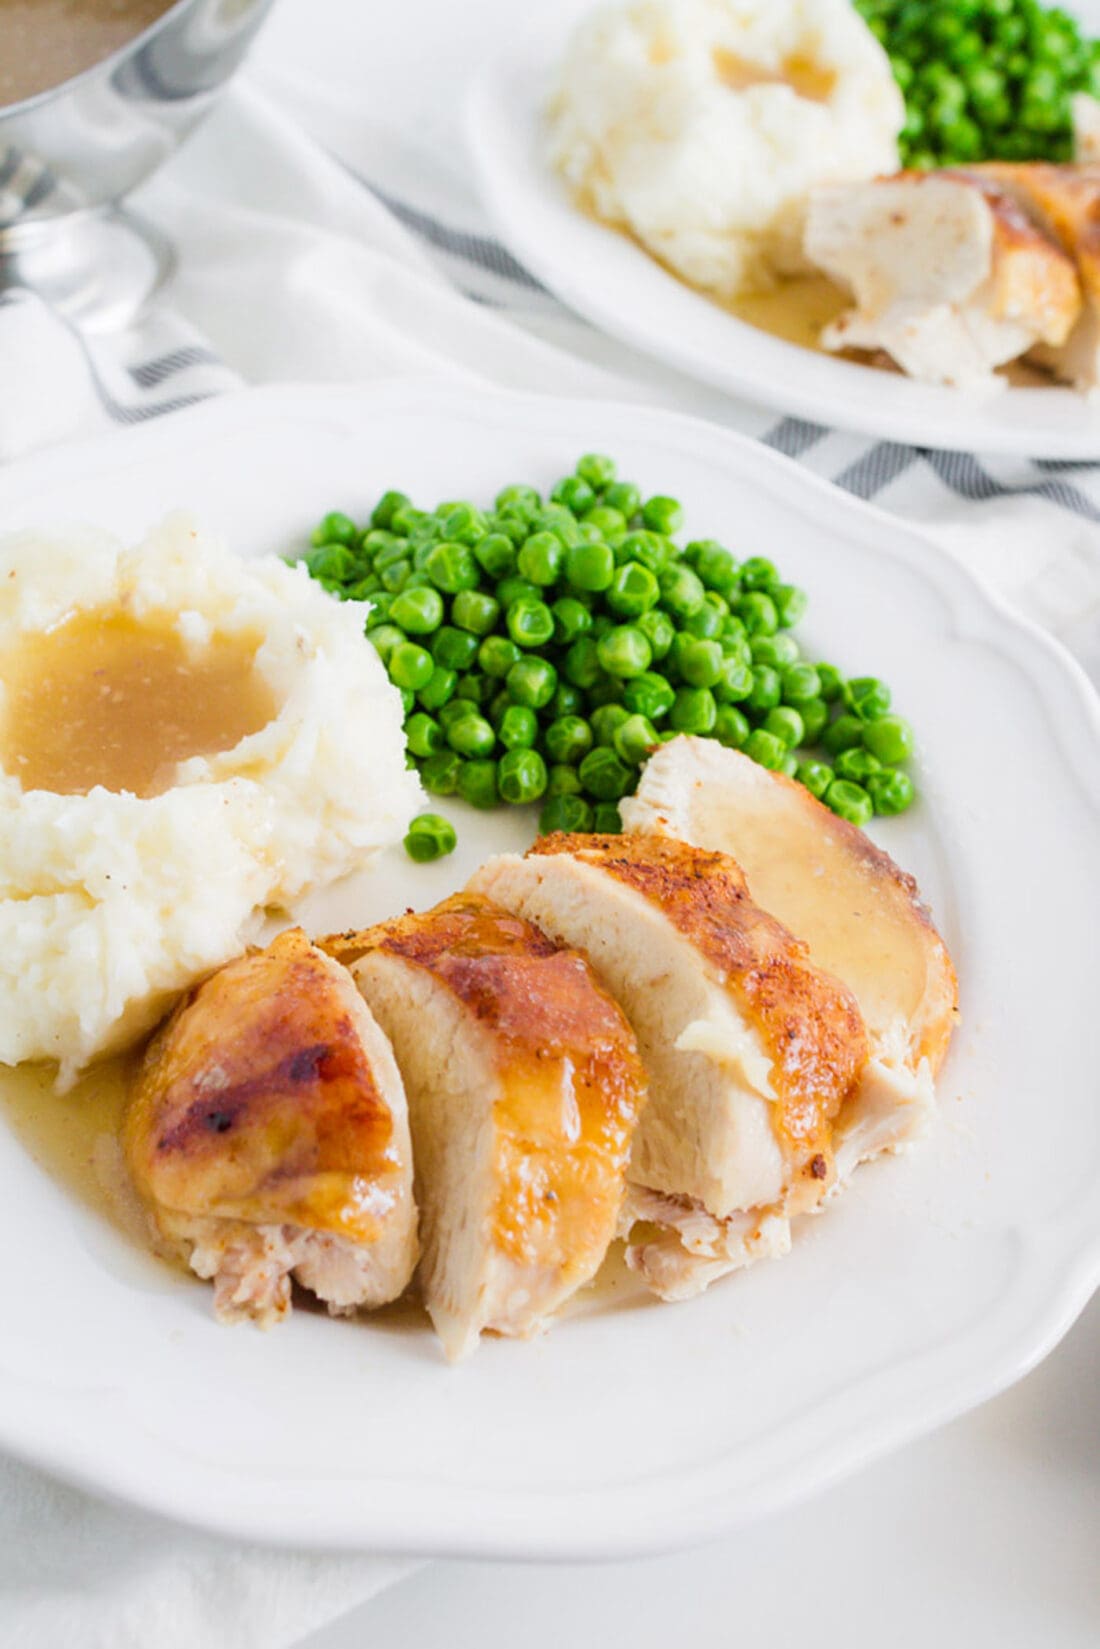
46, 42
107, 699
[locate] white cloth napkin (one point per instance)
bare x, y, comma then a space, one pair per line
326, 229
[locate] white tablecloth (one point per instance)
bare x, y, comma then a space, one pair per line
327, 227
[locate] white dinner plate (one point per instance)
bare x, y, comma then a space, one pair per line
609, 279
936, 1280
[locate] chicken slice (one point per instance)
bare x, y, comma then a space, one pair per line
949, 276
1064, 203
859, 914
268, 1137
751, 1051
524, 1087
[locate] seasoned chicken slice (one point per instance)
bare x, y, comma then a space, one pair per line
949, 277
1064, 204
268, 1137
859, 914
751, 1051
524, 1086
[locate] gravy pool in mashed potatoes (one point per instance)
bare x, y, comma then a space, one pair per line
700, 126
185, 739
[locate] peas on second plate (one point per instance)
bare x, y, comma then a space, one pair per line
540, 558
658, 630
496, 656
590, 566
451, 568
531, 681
521, 776
624, 651
475, 611
633, 590
571, 619
530, 623
699, 662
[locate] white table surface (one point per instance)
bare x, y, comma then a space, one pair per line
985, 1534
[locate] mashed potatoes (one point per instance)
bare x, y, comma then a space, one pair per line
702, 125
111, 902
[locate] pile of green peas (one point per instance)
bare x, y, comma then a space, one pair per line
984, 79
545, 647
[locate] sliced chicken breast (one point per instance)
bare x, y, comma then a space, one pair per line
524, 1087
1064, 204
268, 1137
949, 276
751, 1051
859, 914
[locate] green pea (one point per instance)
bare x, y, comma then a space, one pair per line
451, 568
706, 624
541, 559
815, 718
410, 666
649, 695
816, 776
439, 688
624, 651
405, 519
518, 728
700, 663
475, 611
569, 739
418, 611
531, 681
609, 524
496, 554
659, 631
439, 774
766, 689
581, 664
731, 726
454, 649
571, 619
606, 719
478, 689
790, 604
715, 565
575, 493
801, 682
842, 733
786, 724
735, 684
780, 651
662, 514
496, 656
454, 711
634, 739
624, 497
891, 791
867, 697
567, 813
396, 575
567, 701
682, 592
693, 710
387, 507
597, 469
472, 736
408, 705
606, 690
590, 566
890, 738
430, 836
423, 735
336, 528
605, 777
530, 623
477, 783
524, 500
647, 549
521, 776
606, 819
831, 682
757, 612
562, 780
633, 590
766, 749
857, 763
849, 801
498, 707
560, 523
758, 573
384, 638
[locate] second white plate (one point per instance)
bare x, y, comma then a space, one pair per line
611, 281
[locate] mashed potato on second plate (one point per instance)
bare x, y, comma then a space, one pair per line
112, 902
702, 125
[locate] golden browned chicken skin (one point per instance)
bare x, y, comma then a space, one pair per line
268, 1135
524, 1086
